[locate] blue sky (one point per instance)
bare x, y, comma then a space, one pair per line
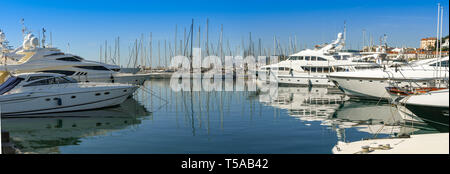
87, 24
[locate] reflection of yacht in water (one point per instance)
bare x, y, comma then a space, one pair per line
334, 111
46, 134
372, 118
308, 104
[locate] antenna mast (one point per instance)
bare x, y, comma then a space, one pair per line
43, 37
24, 29
345, 35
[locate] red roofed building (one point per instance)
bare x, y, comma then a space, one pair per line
428, 43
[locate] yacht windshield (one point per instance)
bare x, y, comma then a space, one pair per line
9, 84
441, 64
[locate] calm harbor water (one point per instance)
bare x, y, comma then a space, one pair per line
160, 120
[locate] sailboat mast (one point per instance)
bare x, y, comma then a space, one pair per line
175, 41
345, 36
437, 29
440, 43
192, 41
101, 53
207, 37
118, 51
151, 50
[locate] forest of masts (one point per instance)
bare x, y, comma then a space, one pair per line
150, 54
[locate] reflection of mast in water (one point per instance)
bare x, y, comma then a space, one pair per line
151, 98
207, 110
199, 117
176, 110
192, 105
219, 102
221, 110
186, 110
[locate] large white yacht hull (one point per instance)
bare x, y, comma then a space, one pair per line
125, 78
63, 101
431, 107
300, 80
130, 70
372, 84
372, 89
314, 80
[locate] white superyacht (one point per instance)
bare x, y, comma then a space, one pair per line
38, 93
32, 58
311, 67
371, 84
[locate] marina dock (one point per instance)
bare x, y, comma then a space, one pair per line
7, 146
415, 144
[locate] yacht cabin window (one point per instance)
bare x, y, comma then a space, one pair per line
442, 63
321, 59
78, 57
65, 72
70, 59
296, 58
52, 80
100, 68
343, 57
33, 78
54, 54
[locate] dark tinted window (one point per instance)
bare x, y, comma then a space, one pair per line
49, 81
67, 73
340, 69
41, 82
79, 58
54, 54
100, 68
71, 59
337, 57
37, 77
305, 68
321, 59
442, 63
